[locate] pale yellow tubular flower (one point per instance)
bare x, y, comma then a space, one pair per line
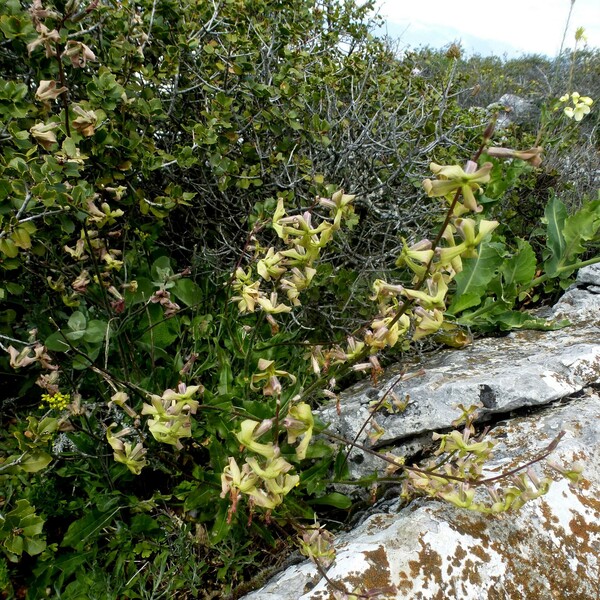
270, 306
44, 135
269, 373
384, 291
243, 479
416, 257
466, 229
271, 267
45, 38
272, 468
248, 297
133, 457
278, 215
112, 264
247, 437
532, 155
428, 322
300, 256
317, 359
434, 297
265, 500
353, 349
382, 334
78, 53
453, 178
86, 122
299, 422
282, 485
449, 257
300, 281
48, 90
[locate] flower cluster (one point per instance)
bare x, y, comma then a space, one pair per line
581, 105
289, 271
266, 480
419, 312
125, 452
171, 413
57, 401
316, 543
36, 353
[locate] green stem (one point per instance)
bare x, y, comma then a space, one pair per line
344, 369
543, 278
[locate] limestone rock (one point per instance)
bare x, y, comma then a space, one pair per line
538, 383
523, 369
548, 549
513, 109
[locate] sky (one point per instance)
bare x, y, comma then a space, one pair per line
511, 27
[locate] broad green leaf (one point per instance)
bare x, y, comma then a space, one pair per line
35, 460
77, 321
334, 499
200, 497
518, 270
484, 315
14, 544
8, 247
73, 336
161, 270
56, 342
14, 288
144, 524
512, 319
465, 301
578, 229
20, 236
144, 291
67, 564
225, 373
84, 530
31, 525
162, 335
95, 332
90, 354
474, 278
220, 527
34, 546
555, 216
315, 478
187, 291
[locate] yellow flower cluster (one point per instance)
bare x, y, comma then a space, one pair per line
56, 401
581, 105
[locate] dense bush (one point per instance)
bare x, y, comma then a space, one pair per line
180, 273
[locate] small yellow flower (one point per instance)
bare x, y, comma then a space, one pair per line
56, 401
581, 106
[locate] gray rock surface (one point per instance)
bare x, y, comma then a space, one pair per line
513, 109
537, 383
549, 549
523, 369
